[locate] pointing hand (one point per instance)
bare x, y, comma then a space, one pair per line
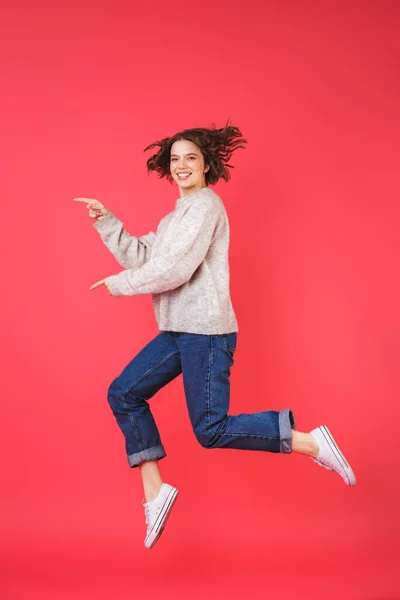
97, 210
102, 282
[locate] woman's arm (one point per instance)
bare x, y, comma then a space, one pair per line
130, 252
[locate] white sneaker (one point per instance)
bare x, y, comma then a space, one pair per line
157, 512
329, 455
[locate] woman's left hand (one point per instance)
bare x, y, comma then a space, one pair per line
102, 282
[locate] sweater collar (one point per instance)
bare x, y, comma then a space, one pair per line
183, 199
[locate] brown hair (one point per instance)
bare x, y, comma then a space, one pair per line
216, 145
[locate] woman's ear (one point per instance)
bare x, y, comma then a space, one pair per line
207, 168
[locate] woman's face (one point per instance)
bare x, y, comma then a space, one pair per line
187, 167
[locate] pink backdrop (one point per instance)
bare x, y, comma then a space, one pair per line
314, 213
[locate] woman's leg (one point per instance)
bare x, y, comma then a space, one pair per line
154, 366
206, 363
151, 479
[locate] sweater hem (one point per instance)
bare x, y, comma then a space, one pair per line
200, 330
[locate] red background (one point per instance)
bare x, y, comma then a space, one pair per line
314, 212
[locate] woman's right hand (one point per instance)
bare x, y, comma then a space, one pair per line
97, 210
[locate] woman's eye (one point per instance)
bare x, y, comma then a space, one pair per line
189, 158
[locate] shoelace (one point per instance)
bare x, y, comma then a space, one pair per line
323, 463
147, 513
326, 465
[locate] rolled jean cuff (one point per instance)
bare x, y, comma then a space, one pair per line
286, 424
154, 453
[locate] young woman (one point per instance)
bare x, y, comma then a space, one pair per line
184, 265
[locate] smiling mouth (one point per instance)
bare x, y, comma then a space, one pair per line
184, 175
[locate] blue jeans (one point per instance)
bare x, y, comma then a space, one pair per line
205, 362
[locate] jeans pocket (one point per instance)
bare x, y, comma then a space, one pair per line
230, 340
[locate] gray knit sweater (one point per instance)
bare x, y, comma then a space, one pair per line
184, 265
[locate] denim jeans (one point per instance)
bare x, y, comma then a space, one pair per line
205, 362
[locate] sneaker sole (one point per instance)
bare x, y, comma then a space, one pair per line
330, 440
162, 519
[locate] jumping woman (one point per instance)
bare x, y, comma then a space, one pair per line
184, 265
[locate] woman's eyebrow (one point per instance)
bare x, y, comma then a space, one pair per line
188, 154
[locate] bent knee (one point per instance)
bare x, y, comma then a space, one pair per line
206, 439
115, 394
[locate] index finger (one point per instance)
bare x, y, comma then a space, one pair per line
86, 200
95, 285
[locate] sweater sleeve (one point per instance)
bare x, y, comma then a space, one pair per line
175, 266
130, 252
